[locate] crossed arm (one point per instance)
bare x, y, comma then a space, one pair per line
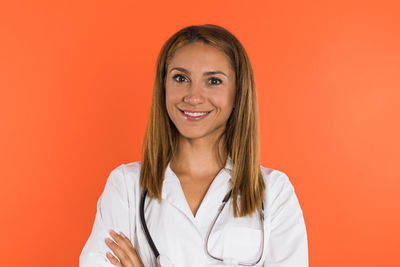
124, 250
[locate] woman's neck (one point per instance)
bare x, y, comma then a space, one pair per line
198, 158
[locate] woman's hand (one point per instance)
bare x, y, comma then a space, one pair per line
124, 250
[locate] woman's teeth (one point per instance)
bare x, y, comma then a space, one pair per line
195, 114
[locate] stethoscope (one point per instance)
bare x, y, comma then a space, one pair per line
162, 261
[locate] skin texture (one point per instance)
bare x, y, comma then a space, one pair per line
191, 86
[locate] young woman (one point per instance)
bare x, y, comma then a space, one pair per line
199, 197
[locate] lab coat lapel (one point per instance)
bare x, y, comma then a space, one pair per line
215, 194
172, 192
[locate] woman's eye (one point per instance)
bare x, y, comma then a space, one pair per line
179, 78
214, 81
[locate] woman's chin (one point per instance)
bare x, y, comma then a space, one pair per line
192, 135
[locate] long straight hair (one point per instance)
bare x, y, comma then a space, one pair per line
240, 138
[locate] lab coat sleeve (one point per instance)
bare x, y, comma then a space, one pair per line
287, 245
112, 213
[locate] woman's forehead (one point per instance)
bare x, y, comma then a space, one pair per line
199, 56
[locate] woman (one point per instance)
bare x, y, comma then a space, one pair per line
199, 197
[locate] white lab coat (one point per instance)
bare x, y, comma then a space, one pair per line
180, 236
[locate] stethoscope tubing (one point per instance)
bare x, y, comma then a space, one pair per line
144, 225
224, 201
226, 198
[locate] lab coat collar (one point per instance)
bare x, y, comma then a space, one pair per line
172, 190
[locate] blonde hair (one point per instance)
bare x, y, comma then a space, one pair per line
240, 138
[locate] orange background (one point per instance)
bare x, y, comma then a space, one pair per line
76, 80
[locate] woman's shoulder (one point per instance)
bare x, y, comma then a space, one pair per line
125, 174
279, 191
273, 175
127, 169
275, 179
124, 181
131, 168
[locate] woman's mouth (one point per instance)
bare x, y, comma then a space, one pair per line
192, 115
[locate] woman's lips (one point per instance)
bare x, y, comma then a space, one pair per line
192, 115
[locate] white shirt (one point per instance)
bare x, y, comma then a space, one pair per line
180, 236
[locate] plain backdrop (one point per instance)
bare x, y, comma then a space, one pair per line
75, 87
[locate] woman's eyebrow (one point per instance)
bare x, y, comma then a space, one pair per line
214, 72
180, 69
205, 73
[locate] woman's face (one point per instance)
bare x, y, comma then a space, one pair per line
200, 90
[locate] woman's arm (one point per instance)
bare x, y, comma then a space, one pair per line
113, 213
287, 245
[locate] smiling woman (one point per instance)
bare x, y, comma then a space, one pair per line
200, 91
199, 196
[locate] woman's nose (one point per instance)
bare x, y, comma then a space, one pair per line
194, 95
